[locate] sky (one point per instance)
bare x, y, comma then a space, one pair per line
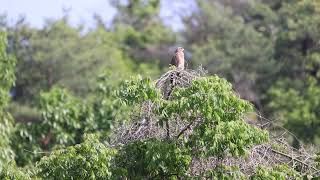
82, 11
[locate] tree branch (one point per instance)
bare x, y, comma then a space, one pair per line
184, 129
294, 159
168, 130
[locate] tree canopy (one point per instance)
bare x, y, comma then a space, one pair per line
101, 102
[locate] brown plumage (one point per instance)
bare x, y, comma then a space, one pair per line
178, 59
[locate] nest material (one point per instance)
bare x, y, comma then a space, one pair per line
145, 126
263, 155
277, 151
177, 78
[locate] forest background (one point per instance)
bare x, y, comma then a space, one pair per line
269, 50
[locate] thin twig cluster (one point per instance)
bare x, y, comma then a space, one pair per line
145, 125
277, 151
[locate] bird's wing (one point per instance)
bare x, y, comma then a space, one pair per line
173, 61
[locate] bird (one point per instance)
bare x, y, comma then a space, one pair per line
178, 59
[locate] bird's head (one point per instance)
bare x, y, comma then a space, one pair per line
179, 49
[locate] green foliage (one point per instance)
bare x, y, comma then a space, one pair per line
153, 159
296, 43
65, 117
222, 130
137, 11
261, 16
224, 173
143, 31
107, 107
88, 160
210, 97
7, 65
6, 129
226, 138
297, 107
71, 58
138, 90
292, 98
268, 50
73, 62
229, 46
26, 143
12, 172
281, 172
24, 112
224, 43
211, 101
64, 120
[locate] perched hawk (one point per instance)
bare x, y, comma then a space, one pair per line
178, 58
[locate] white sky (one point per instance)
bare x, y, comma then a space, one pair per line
81, 11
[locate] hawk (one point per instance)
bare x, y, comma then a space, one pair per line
178, 58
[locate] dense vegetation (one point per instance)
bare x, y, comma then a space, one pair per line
73, 107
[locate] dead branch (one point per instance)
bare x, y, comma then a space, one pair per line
259, 155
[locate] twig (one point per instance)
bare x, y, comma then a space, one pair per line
39, 152
168, 130
184, 129
295, 159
